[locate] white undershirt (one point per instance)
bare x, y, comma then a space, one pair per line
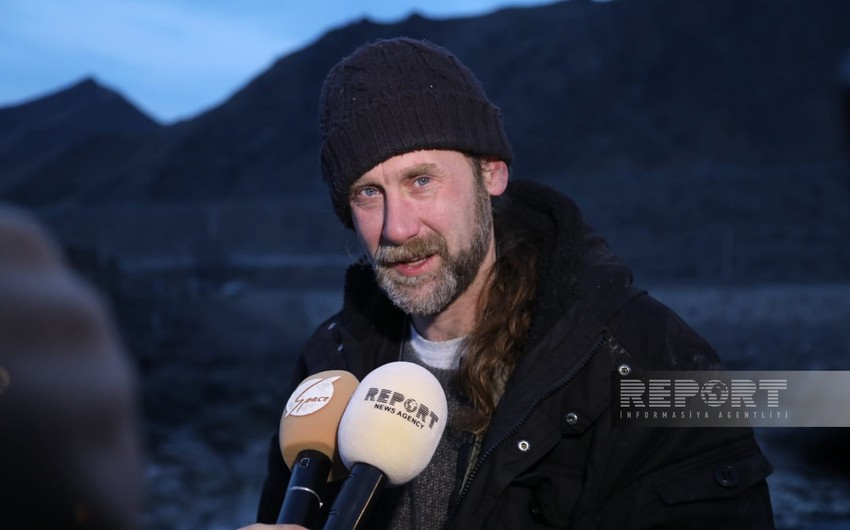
444, 354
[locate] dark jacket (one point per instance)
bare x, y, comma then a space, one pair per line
551, 457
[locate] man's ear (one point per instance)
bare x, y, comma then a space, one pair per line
495, 174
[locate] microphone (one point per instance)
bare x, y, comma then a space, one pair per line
308, 437
388, 434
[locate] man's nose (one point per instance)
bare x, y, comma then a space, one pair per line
401, 221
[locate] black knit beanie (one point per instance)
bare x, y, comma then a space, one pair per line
396, 96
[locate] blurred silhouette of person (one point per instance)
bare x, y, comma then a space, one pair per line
68, 433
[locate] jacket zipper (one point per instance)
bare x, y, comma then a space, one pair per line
578, 367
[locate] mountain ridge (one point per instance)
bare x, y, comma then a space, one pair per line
720, 122
715, 83
58, 129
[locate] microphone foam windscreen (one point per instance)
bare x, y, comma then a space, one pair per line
394, 421
313, 412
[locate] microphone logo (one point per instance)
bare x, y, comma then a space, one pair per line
416, 413
311, 396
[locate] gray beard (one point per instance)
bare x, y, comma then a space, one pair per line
429, 294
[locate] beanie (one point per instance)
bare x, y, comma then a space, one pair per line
395, 96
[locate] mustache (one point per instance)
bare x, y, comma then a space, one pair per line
412, 250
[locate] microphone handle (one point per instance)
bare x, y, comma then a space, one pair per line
356, 498
302, 502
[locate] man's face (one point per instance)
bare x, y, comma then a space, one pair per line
424, 218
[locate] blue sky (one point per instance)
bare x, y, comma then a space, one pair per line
177, 58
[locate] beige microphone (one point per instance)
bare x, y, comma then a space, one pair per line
388, 434
308, 435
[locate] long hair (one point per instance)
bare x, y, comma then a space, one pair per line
504, 311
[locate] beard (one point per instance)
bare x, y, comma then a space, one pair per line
428, 294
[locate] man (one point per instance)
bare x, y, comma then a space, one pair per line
519, 310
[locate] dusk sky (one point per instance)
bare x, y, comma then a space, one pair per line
176, 58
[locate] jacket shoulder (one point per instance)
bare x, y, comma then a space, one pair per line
659, 339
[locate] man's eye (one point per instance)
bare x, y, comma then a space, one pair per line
422, 181
367, 192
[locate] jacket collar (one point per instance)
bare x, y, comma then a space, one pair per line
553, 223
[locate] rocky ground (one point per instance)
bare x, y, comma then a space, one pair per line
213, 390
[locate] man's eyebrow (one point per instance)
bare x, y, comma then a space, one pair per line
427, 168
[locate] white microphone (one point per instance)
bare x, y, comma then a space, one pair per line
388, 434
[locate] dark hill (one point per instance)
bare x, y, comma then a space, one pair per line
585, 88
87, 102
714, 125
47, 134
